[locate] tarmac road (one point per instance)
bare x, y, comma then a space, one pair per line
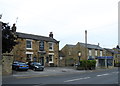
64, 76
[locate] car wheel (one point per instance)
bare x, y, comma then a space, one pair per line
34, 69
26, 69
16, 68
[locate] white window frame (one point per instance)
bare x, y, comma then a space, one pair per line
52, 46
52, 57
96, 53
69, 53
101, 53
26, 43
90, 52
30, 53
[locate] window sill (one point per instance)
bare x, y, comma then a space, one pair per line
51, 50
50, 61
29, 48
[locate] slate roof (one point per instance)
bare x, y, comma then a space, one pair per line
111, 50
70, 45
91, 46
35, 37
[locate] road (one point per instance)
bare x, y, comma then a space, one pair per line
109, 76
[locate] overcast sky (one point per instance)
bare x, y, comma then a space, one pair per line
67, 19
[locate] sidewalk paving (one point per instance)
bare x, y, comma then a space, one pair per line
49, 71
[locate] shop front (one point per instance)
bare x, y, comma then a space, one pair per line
105, 61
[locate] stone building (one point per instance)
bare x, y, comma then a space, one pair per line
104, 57
88, 51
116, 55
37, 48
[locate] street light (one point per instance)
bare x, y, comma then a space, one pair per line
79, 55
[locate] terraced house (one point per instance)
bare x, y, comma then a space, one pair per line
37, 48
88, 52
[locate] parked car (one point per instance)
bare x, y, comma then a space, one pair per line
36, 66
18, 65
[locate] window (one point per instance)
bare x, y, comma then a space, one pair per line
90, 52
50, 58
51, 46
69, 53
29, 57
100, 53
41, 46
28, 44
95, 52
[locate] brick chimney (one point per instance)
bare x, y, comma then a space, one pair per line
51, 35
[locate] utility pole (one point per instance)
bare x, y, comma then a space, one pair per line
0, 39
86, 44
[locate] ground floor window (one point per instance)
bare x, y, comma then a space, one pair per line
29, 57
50, 58
108, 62
34, 59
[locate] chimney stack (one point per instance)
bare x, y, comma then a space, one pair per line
51, 35
98, 44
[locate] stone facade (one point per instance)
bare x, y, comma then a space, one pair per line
116, 55
37, 48
71, 53
7, 60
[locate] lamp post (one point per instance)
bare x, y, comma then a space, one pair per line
79, 55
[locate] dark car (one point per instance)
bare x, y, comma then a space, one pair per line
36, 66
18, 65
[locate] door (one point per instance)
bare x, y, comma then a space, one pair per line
42, 61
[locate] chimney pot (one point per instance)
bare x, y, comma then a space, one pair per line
51, 35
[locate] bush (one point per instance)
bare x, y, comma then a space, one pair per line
87, 64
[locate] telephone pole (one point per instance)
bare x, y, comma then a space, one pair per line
86, 44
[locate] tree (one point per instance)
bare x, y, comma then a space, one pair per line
8, 37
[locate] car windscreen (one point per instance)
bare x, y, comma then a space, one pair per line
38, 64
22, 63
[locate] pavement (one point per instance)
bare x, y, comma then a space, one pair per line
62, 75
49, 71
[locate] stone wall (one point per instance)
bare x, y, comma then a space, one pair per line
7, 60
20, 50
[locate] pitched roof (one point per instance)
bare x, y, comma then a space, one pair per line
92, 46
35, 37
111, 50
70, 45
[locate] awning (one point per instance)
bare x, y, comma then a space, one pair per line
105, 57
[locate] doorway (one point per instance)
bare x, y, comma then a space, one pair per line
42, 60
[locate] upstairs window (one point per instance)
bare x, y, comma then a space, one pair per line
90, 52
95, 52
51, 46
29, 44
100, 53
41, 45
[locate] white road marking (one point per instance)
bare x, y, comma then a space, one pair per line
104, 74
76, 79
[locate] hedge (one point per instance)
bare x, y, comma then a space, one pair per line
87, 64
